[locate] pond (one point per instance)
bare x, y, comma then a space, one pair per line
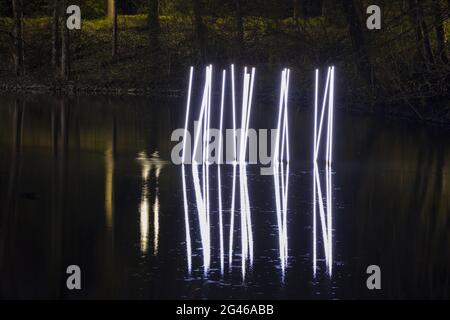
89, 181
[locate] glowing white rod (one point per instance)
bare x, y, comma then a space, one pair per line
244, 115
314, 176
201, 116
248, 110
188, 104
285, 139
247, 200
244, 234
330, 195
280, 108
319, 134
230, 255
208, 136
219, 183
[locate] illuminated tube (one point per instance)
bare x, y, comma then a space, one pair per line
314, 176
200, 119
230, 254
219, 183
322, 114
188, 104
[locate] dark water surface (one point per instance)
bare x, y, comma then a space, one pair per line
89, 181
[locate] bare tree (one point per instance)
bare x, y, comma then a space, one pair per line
112, 14
153, 23
295, 9
421, 31
239, 29
18, 54
363, 62
55, 32
200, 30
440, 33
65, 46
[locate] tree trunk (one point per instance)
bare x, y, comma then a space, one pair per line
359, 46
239, 30
440, 33
65, 46
295, 10
113, 6
153, 23
18, 55
426, 36
200, 30
154, 29
55, 33
421, 30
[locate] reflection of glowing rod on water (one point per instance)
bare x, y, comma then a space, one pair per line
186, 221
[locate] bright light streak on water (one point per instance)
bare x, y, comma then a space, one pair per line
186, 222
156, 213
144, 205
203, 223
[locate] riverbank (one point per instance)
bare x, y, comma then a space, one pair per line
401, 87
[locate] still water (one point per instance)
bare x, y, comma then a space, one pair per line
89, 181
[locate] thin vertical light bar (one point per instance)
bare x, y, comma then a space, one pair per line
330, 195
285, 139
244, 115
331, 107
249, 110
314, 177
247, 200
219, 183
280, 107
207, 152
188, 104
230, 255
186, 222
234, 111
201, 116
319, 134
